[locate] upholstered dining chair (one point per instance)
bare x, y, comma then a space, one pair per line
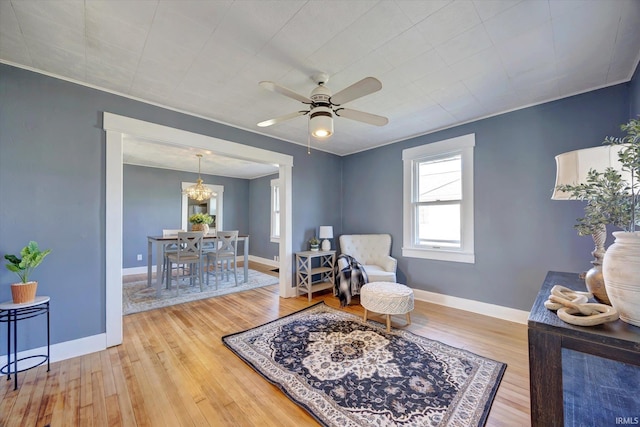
225, 254
188, 252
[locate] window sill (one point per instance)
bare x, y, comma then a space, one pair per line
465, 257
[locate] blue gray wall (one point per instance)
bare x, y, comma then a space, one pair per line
152, 201
634, 93
52, 190
259, 210
520, 233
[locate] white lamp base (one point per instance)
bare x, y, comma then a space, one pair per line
326, 245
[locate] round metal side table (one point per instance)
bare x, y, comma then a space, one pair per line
11, 314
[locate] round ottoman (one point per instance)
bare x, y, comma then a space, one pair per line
387, 298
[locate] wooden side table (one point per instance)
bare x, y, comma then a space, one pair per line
307, 269
11, 314
611, 350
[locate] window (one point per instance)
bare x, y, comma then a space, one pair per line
275, 210
438, 200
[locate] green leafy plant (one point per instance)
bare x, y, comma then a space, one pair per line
31, 255
610, 199
201, 218
629, 157
314, 241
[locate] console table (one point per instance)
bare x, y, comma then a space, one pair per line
611, 351
11, 314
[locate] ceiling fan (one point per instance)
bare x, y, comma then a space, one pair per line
322, 105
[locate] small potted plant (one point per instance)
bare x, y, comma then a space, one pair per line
200, 222
314, 243
32, 256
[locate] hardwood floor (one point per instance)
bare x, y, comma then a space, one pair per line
173, 370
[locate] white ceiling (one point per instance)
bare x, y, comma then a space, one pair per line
441, 63
153, 154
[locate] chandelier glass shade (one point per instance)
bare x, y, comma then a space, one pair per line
199, 191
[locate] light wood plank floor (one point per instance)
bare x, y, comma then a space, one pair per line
173, 370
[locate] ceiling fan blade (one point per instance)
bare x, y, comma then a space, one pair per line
361, 116
359, 89
281, 118
274, 87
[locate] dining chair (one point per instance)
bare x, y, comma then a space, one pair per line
224, 254
188, 252
169, 248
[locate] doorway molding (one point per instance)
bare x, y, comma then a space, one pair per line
117, 128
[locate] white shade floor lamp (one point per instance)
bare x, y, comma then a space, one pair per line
326, 233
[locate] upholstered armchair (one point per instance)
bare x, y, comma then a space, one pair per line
373, 251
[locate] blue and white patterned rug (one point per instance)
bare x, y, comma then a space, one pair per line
345, 372
137, 296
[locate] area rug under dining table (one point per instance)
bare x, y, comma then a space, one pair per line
139, 296
346, 372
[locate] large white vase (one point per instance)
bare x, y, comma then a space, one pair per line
621, 271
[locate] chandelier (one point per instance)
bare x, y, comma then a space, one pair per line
199, 191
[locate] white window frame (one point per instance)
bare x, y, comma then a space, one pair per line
410, 157
275, 215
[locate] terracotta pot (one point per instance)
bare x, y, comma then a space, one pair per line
621, 271
24, 292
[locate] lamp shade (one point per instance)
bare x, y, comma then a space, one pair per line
326, 232
572, 167
321, 122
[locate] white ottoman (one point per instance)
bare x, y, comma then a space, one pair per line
387, 298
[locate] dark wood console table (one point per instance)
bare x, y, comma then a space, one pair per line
551, 339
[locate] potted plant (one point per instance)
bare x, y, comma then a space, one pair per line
32, 256
200, 222
607, 204
314, 243
612, 200
621, 264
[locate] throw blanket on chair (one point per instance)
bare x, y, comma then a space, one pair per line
350, 277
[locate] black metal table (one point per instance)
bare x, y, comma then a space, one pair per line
11, 314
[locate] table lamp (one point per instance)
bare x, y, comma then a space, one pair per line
326, 232
572, 168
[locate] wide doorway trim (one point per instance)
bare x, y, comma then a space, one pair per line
117, 128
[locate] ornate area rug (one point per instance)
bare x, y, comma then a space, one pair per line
348, 373
137, 296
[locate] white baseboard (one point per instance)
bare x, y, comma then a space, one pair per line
498, 311
264, 261
65, 350
137, 270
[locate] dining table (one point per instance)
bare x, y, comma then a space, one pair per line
161, 242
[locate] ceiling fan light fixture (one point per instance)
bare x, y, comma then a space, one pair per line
199, 191
321, 122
